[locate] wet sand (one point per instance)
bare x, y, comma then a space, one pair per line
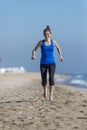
22, 106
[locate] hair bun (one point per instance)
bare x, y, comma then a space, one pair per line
48, 27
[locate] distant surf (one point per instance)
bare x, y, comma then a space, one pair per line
78, 80
12, 70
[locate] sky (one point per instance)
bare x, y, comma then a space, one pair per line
21, 27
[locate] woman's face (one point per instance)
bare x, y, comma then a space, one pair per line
47, 35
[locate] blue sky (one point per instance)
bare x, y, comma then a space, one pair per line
21, 27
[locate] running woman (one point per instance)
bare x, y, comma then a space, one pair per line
47, 61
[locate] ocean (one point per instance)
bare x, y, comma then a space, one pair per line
77, 80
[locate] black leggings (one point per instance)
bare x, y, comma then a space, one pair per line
51, 69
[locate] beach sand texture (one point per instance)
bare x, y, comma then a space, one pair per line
22, 106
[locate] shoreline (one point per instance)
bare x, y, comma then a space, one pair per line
38, 76
72, 86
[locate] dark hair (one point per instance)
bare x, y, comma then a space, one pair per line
47, 29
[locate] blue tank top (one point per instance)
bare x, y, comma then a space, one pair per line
47, 53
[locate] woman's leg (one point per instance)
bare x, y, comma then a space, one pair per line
43, 70
51, 88
52, 68
45, 91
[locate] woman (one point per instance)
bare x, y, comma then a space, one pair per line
47, 62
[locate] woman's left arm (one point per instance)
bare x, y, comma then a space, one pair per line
59, 50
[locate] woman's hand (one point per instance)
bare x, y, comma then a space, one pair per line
33, 57
61, 58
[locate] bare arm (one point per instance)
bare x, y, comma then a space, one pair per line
35, 49
59, 50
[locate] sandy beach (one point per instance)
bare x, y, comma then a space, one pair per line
22, 106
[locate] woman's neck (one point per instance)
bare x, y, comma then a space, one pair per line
47, 40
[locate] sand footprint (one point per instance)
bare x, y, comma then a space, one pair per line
81, 111
75, 127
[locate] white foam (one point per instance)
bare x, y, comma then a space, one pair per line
79, 82
12, 70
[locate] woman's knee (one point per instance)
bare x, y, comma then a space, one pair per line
44, 83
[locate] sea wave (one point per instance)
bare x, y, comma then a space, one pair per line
78, 82
79, 76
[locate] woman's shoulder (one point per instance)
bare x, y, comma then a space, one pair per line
40, 43
54, 42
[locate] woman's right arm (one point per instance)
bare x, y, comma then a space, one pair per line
35, 49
